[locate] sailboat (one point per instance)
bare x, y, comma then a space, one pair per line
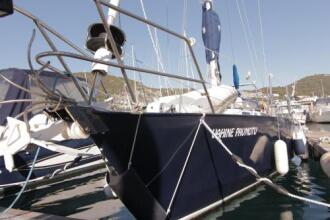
320, 110
179, 156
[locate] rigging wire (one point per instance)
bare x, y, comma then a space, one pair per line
139, 74
156, 46
253, 45
173, 155
246, 36
262, 39
159, 64
230, 31
249, 31
134, 74
153, 44
254, 50
184, 24
142, 64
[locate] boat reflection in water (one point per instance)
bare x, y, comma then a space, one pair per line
308, 181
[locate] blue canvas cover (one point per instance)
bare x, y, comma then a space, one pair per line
211, 33
51, 80
10, 92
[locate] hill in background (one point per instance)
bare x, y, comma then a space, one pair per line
115, 87
307, 86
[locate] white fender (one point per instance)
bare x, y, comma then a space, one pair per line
76, 132
109, 193
300, 143
325, 163
281, 157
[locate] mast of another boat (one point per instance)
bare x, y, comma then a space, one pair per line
322, 88
270, 95
288, 99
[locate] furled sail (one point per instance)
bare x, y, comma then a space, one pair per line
235, 77
211, 32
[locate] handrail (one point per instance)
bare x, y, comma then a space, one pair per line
84, 56
187, 41
91, 59
40, 25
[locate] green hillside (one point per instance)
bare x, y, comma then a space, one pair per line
307, 86
115, 87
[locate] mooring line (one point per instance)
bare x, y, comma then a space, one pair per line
25, 184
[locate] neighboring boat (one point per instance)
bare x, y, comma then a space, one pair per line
320, 111
179, 156
50, 164
297, 111
244, 106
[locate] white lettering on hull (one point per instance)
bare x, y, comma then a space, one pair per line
235, 132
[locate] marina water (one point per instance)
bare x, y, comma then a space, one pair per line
307, 180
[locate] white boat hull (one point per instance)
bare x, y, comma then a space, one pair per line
321, 115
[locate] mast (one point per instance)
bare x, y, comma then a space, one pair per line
288, 100
103, 53
293, 89
270, 95
322, 88
112, 14
134, 72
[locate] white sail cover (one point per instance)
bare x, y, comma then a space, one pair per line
195, 101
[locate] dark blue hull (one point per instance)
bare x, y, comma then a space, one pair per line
157, 145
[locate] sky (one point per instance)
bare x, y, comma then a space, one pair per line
292, 42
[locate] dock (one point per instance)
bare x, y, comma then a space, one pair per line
318, 143
22, 215
79, 197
